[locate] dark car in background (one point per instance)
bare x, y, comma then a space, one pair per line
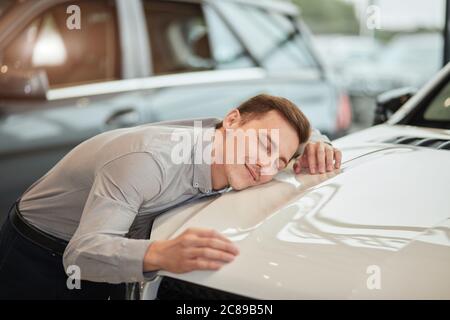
138, 61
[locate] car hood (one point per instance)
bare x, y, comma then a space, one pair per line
377, 228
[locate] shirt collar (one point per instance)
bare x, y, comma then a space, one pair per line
202, 159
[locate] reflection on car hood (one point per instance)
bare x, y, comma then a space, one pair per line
377, 228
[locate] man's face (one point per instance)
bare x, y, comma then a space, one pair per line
270, 142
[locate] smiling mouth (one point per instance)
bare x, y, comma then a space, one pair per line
252, 173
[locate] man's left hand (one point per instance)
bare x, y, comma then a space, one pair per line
319, 157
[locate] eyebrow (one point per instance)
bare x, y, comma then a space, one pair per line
282, 158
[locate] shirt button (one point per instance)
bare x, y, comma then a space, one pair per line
196, 184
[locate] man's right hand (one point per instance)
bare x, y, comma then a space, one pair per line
194, 249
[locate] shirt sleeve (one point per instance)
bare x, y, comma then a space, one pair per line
315, 136
99, 246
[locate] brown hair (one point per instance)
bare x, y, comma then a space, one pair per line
261, 104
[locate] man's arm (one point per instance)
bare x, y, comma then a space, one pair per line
318, 154
100, 247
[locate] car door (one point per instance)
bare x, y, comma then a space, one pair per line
79, 64
199, 67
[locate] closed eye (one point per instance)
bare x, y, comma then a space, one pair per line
281, 163
267, 145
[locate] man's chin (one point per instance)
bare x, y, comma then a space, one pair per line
239, 186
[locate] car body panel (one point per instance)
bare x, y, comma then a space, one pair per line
320, 236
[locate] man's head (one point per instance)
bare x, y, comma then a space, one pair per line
256, 140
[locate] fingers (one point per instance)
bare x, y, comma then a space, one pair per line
311, 154
304, 162
338, 157
320, 157
217, 244
206, 233
194, 249
206, 249
203, 264
210, 254
298, 165
329, 153
197, 237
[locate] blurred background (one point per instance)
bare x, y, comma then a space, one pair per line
73, 69
372, 46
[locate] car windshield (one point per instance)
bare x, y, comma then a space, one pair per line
272, 37
439, 107
434, 110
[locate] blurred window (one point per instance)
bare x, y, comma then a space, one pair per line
421, 52
69, 57
272, 37
178, 37
228, 52
370, 47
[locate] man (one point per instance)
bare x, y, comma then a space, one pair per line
92, 212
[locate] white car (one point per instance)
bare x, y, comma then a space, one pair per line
379, 228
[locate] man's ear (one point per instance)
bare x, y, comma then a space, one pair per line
232, 119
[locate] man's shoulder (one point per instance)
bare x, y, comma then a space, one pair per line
187, 123
158, 139
162, 137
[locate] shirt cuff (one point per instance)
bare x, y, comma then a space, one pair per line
317, 136
132, 255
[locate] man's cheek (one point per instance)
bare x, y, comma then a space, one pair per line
239, 178
266, 178
270, 169
252, 157
241, 183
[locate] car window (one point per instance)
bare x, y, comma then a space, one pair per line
228, 52
272, 37
178, 37
69, 56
